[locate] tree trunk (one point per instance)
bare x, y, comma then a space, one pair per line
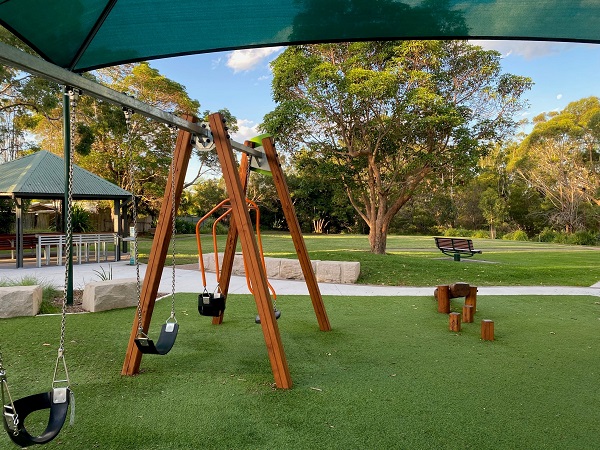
378, 240
492, 231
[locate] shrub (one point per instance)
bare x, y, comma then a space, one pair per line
457, 232
481, 234
81, 220
517, 235
582, 238
561, 238
184, 227
547, 235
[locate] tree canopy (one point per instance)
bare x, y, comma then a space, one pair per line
561, 159
390, 115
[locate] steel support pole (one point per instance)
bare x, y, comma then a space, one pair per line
67, 206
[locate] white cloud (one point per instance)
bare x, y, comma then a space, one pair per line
247, 129
216, 63
527, 49
559, 96
245, 60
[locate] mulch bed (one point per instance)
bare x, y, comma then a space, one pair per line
77, 302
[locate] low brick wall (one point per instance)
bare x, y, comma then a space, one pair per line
18, 301
346, 272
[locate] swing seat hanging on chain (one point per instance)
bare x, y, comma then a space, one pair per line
57, 401
211, 304
169, 330
166, 339
275, 311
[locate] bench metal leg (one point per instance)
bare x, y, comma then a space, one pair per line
457, 257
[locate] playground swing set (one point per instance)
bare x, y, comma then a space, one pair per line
60, 397
236, 179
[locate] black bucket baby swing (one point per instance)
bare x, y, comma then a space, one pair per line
213, 303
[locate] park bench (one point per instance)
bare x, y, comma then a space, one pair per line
83, 242
9, 242
456, 247
96, 242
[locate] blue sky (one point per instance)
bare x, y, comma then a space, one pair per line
241, 80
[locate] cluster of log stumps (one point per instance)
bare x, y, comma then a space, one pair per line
444, 293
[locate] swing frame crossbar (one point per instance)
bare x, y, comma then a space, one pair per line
11, 56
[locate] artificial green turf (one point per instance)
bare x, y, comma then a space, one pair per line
389, 375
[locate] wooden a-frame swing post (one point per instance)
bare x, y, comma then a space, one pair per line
293, 225
160, 247
256, 271
292, 222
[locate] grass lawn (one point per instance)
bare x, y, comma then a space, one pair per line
389, 375
415, 261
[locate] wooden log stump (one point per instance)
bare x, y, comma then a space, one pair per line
459, 290
467, 313
454, 321
487, 330
443, 298
471, 298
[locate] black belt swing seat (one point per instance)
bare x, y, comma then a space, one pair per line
169, 330
166, 340
57, 401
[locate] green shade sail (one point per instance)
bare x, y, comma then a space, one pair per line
81, 35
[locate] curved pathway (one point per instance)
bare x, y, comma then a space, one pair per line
188, 279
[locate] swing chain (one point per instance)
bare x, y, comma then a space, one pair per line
8, 408
74, 94
73, 98
174, 131
128, 112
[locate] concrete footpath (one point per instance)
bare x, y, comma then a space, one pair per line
188, 279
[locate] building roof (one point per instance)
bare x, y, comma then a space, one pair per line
42, 175
87, 34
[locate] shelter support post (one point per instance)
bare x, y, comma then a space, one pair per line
125, 227
160, 247
117, 228
19, 231
232, 236
256, 271
292, 222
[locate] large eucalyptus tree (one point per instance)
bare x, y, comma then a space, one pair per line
391, 114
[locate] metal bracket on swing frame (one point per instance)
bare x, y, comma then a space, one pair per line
258, 159
36, 66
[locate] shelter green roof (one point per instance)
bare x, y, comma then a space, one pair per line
42, 175
80, 35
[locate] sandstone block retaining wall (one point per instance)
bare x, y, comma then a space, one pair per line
109, 294
18, 301
289, 269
